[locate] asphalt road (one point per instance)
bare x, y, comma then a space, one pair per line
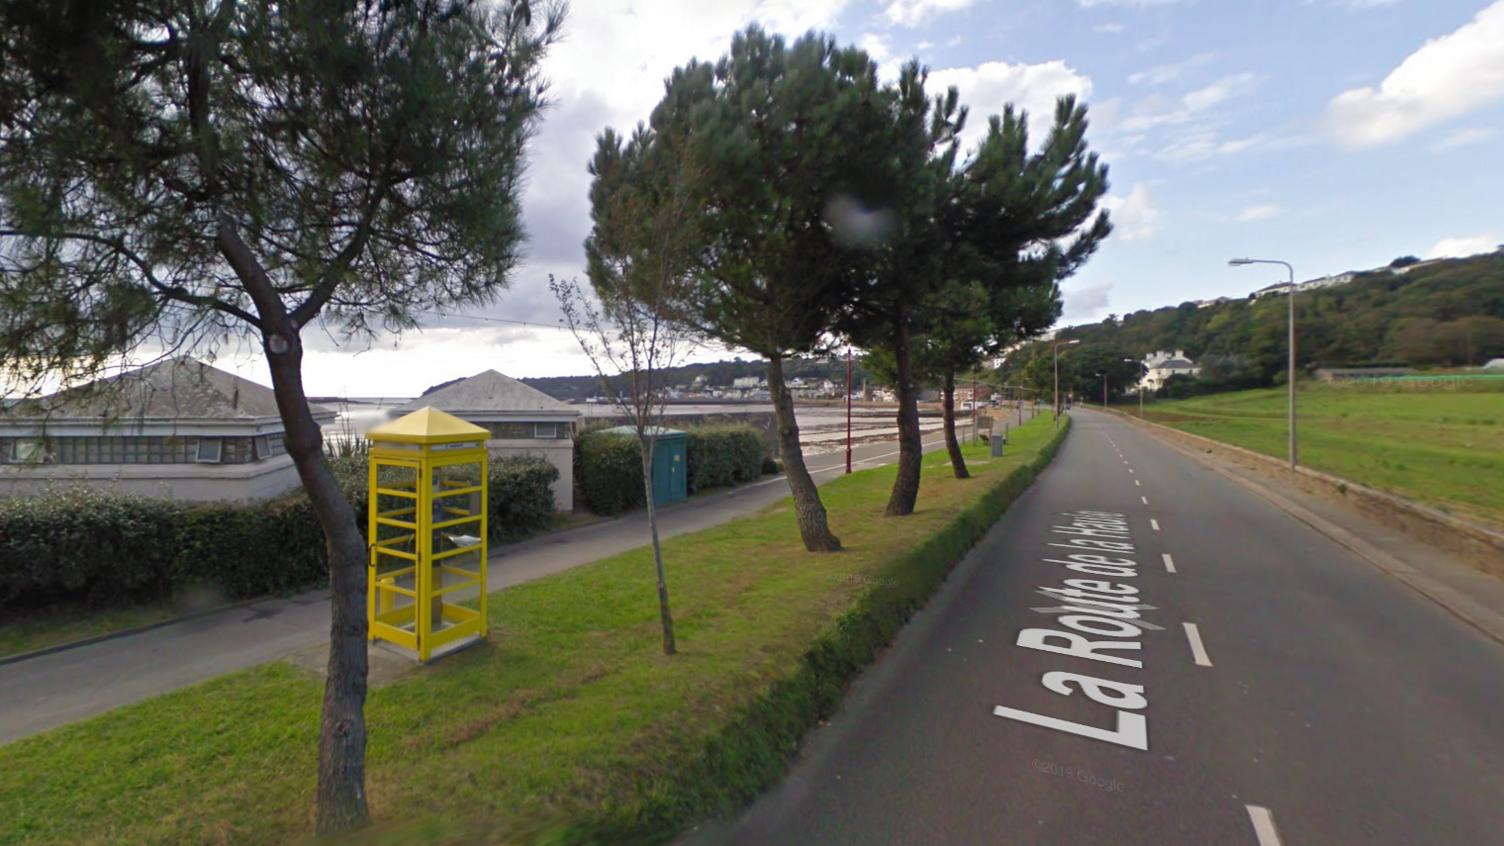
56, 689
1323, 702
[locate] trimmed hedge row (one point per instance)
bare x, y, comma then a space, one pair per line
608, 468
75, 543
721, 456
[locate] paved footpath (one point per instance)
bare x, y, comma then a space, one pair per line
1142, 651
59, 688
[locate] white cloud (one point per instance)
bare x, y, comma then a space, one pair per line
1110, 28
1159, 110
1137, 4
1081, 304
916, 12
1262, 212
1464, 137
1133, 216
987, 88
1162, 74
1369, 4
1447, 77
1464, 247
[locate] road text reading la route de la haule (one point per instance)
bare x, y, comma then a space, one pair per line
1103, 622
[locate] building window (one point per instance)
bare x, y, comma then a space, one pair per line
209, 450
549, 431
26, 451
277, 445
510, 431
262, 448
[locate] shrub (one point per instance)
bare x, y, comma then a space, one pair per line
521, 497
609, 472
771, 466
719, 456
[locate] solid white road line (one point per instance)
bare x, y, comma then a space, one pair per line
1169, 562
1197, 649
1263, 826
1154, 523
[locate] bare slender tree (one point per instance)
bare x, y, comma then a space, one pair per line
638, 253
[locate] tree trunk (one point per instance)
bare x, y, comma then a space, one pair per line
342, 729
910, 445
952, 445
809, 511
646, 446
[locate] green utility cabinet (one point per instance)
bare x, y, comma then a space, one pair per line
670, 461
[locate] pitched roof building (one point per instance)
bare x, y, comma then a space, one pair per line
522, 421
178, 428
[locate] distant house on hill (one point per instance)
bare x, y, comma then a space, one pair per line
178, 428
1161, 365
1276, 288
522, 421
1496, 364
1327, 282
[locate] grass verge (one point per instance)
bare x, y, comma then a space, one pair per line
32, 630
569, 720
1444, 449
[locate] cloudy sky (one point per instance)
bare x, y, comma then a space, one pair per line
1332, 134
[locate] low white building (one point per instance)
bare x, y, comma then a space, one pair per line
1161, 365
178, 428
1326, 282
522, 421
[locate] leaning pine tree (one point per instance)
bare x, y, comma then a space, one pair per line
1002, 209
175, 172
779, 135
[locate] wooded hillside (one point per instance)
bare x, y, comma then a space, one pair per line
1447, 314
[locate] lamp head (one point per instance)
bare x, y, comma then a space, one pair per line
1073, 343
1239, 262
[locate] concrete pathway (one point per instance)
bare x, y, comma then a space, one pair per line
62, 687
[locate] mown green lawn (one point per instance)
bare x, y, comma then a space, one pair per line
1444, 449
569, 709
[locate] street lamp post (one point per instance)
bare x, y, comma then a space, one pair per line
1104, 390
848, 409
1140, 385
1294, 458
1056, 351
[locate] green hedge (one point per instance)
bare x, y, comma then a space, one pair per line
720, 456
521, 497
608, 468
73, 544
609, 472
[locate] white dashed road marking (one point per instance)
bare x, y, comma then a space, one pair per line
1169, 563
1145, 499
1198, 650
1155, 524
1263, 826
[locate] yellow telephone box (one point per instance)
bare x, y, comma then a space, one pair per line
427, 531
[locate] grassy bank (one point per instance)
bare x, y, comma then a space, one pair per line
570, 714
1443, 448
